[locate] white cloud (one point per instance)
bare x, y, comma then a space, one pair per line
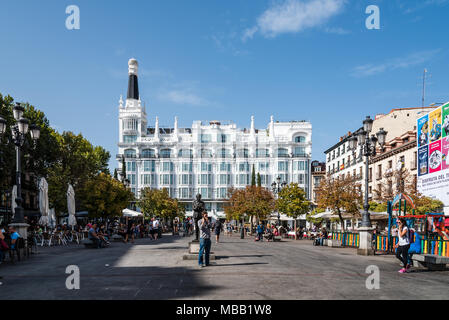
292, 16
411, 60
183, 96
339, 31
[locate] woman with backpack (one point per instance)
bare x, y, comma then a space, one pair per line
403, 245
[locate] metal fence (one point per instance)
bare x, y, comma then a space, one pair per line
348, 239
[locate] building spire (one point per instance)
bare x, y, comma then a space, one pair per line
252, 130
156, 129
271, 130
121, 102
133, 86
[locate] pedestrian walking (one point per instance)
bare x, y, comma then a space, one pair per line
403, 245
260, 231
155, 228
218, 227
204, 226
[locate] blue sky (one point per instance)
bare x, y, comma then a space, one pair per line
224, 60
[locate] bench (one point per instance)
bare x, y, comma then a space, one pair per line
430, 261
277, 238
88, 243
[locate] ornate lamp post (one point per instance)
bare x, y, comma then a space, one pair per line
367, 148
19, 131
276, 187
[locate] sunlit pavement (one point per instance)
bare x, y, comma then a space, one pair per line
244, 269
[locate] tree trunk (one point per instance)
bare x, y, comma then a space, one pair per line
341, 220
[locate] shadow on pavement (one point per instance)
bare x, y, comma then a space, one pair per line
117, 272
245, 256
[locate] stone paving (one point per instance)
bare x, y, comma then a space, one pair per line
244, 269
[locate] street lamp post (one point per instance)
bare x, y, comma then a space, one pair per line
367, 148
276, 187
18, 132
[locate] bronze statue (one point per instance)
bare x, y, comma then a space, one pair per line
198, 208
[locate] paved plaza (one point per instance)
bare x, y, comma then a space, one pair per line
244, 269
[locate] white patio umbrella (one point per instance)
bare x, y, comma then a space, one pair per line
71, 205
52, 218
13, 200
43, 202
131, 214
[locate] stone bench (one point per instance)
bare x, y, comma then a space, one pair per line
333, 243
430, 261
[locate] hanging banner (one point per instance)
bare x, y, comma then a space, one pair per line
432, 153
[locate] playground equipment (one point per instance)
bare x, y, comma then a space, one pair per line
434, 227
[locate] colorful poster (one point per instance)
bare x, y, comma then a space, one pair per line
435, 157
423, 131
423, 161
435, 125
445, 117
445, 153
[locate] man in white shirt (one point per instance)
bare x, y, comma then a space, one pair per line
155, 228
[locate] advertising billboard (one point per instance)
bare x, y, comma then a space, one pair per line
432, 153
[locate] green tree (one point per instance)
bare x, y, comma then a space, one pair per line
36, 157
105, 197
293, 202
316, 221
341, 195
259, 180
79, 162
255, 202
155, 202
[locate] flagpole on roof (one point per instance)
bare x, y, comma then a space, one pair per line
424, 88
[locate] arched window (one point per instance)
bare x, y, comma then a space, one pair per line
224, 153
148, 153
282, 152
300, 152
242, 153
262, 153
166, 153
185, 153
130, 153
205, 153
300, 139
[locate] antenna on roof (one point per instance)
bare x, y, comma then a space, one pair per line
424, 87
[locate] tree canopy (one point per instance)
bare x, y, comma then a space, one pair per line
156, 202
104, 196
341, 195
253, 201
293, 201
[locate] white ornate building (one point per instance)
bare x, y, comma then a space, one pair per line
208, 158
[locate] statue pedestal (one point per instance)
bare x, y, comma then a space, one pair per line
21, 229
194, 247
194, 250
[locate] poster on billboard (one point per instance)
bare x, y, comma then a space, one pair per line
423, 161
435, 125
423, 131
445, 153
433, 155
445, 119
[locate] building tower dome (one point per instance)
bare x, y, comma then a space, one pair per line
133, 85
